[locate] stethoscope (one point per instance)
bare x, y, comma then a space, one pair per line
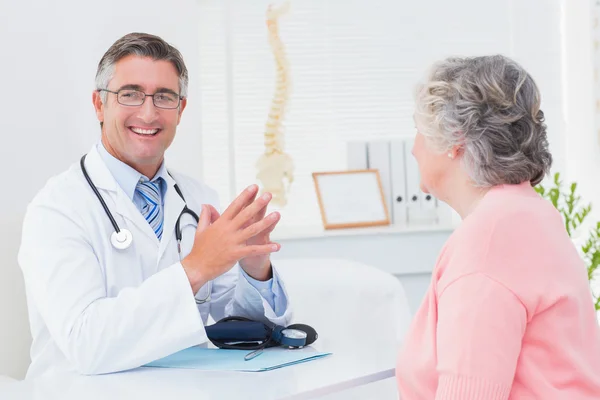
121, 239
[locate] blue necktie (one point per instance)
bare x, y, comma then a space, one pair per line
152, 209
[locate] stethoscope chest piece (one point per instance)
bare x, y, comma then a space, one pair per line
121, 240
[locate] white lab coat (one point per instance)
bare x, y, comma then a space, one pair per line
95, 309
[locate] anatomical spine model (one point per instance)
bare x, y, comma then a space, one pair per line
275, 167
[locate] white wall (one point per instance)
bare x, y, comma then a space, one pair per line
536, 44
582, 140
50, 53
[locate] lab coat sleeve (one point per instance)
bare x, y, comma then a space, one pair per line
234, 295
98, 334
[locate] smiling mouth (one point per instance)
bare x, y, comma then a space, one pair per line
144, 132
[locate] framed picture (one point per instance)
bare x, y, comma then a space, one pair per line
350, 199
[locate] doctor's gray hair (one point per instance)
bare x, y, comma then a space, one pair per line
141, 45
489, 107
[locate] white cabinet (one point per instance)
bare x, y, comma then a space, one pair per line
409, 253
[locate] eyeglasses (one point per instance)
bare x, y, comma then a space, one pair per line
132, 98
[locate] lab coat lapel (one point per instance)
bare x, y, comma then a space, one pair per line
107, 186
173, 205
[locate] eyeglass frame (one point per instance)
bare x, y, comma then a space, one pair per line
179, 97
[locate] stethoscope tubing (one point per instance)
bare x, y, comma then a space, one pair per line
178, 233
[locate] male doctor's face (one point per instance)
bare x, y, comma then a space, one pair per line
139, 135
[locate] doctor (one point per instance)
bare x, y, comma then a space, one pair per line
107, 288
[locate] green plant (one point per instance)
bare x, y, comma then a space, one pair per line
568, 203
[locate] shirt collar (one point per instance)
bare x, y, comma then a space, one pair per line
127, 177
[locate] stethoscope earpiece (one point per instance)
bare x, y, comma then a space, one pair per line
121, 240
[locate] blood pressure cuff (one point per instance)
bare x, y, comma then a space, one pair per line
240, 333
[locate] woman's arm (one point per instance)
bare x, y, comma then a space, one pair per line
480, 327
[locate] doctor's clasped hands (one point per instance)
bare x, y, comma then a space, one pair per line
240, 234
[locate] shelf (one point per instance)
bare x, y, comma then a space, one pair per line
314, 232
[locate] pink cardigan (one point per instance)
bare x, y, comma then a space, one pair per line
508, 313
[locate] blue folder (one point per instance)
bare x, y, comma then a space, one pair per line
209, 359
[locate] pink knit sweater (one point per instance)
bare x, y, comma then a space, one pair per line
508, 314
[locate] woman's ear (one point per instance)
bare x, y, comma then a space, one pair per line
455, 152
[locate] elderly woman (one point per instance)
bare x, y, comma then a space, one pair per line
509, 313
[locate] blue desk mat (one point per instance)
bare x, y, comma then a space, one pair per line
209, 359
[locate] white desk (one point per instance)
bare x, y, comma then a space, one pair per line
350, 366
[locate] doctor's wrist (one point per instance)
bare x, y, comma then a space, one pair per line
194, 275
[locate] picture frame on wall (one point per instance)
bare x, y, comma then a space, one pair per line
351, 199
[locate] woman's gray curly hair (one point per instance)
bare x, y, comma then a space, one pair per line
490, 107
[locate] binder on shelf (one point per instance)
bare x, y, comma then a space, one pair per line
429, 208
378, 156
356, 152
413, 190
398, 177
400, 180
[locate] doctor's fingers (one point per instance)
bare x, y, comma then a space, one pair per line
240, 202
259, 250
264, 235
254, 218
208, 215
214, 214
253, 212
264, 226
270, 229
